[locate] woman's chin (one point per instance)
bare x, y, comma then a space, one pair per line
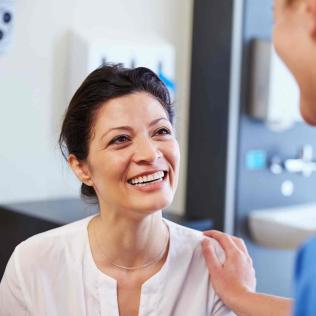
153, 207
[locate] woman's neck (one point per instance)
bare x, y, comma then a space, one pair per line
128, 242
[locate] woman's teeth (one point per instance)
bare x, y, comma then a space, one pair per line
155, 177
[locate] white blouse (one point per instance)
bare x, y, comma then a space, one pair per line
54, 274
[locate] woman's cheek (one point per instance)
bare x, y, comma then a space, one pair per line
175, 157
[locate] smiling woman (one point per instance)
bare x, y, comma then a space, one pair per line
128, 136
133, 140
119, 140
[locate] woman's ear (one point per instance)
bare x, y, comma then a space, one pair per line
80, 169
311, 11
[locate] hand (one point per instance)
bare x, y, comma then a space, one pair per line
236, 276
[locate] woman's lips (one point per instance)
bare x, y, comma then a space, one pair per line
147, 177
151, 186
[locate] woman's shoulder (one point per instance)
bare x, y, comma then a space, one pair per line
191, 269
65, 240
190, 240
184, 233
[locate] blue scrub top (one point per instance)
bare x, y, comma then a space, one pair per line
305, 280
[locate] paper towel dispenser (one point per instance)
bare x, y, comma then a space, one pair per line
91, 48
274, 94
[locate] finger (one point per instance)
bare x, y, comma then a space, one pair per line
240, 244
225, 241
209, 233
218, 235
212, 261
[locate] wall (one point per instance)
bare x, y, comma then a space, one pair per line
33, 81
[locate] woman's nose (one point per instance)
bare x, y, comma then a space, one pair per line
146, 151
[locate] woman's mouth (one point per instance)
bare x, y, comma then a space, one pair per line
148, 178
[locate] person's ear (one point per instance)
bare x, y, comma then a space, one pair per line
311, 11
80, 169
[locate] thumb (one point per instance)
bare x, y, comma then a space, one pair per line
212, 262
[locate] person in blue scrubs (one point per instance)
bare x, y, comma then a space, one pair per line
294, 37
305, 280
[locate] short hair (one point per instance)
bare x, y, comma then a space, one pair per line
102, 85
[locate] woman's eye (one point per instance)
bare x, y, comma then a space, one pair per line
163, 131
120, 139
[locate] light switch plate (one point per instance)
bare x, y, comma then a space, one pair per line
7, 15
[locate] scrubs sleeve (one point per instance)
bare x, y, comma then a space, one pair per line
12, 300
305, 280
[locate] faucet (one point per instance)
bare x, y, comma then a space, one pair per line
304, 164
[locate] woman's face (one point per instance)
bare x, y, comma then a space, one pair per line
133, 159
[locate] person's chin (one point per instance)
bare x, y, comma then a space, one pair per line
308, 115
151, 206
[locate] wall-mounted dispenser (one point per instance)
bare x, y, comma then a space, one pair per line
274, 94
90, 49
7, 10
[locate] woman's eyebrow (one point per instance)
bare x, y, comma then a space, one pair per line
125, 128
130, 129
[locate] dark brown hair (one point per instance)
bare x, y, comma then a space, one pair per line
102, 85
289, 2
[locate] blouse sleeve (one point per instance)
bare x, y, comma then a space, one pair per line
12, 300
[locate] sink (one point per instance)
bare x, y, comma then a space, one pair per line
283, 227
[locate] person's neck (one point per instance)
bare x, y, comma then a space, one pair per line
126, 241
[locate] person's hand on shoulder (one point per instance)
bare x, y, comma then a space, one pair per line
234, 280
236, 276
